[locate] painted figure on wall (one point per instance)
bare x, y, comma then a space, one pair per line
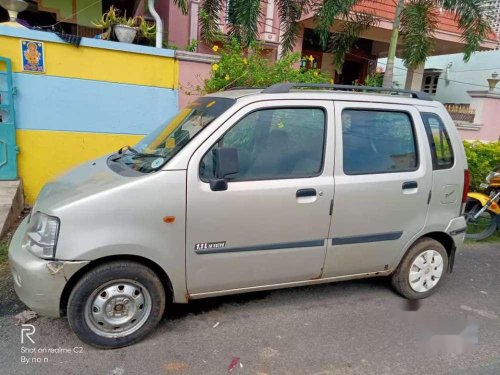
32, 53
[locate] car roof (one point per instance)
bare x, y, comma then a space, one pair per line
255, 94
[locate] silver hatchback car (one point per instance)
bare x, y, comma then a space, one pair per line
248, 190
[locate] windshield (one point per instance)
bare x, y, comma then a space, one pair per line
154, 150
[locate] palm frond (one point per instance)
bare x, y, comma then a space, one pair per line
290, 12
326, 12
183, 5
419, 20
244, 16
209, 15
341, 42
473, 18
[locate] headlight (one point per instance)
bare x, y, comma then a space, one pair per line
41, 235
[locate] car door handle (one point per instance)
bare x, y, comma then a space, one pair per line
410, 185
306, 193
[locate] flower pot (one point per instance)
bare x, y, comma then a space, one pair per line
124, 33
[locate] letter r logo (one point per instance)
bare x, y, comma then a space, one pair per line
27, 330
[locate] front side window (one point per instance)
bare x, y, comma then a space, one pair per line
274, 143
439, 141
167, 140
378, 141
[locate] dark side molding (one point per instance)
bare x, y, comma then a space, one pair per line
376, 237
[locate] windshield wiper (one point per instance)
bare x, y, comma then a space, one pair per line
128, 148
135, 154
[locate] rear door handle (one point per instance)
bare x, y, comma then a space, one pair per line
305, 193
410, 185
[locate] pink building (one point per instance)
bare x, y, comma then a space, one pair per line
360, 61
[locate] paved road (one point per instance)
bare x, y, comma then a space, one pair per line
358, 327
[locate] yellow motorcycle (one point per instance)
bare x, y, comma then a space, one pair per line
482, 210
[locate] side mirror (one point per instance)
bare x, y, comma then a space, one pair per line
225, 163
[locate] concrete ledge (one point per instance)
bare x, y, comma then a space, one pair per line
11, 204
196, 57
467, 126
484, 94
86, 42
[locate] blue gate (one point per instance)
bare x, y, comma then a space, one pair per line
8, 147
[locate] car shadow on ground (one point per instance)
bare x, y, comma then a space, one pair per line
11, 305
300, 295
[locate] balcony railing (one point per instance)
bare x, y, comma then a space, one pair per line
461, 112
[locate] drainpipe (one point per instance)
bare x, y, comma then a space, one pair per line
159, 23
447, 73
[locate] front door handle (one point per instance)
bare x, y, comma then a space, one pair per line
306, 193
410, 185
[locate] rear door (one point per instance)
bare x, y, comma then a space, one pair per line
383, 178
448, 176
270, 226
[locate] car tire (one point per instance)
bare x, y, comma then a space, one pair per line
116, 304
422, 270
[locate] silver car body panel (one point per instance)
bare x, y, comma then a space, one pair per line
272, 238
39, 283
275, 236
104, 214
373, 217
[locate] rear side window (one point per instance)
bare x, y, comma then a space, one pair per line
441, 149
274, 144
378, 141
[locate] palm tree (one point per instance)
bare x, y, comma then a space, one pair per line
415, 20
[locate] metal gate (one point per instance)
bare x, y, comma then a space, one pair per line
8, 147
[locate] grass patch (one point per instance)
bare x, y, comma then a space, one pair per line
493, 239
4, 249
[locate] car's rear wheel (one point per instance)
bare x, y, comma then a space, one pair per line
422, 270
116, 304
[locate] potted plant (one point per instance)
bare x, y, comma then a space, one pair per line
113, 25
146, 32
125, 30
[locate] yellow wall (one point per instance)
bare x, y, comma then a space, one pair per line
125, 89
46, 154
65, 60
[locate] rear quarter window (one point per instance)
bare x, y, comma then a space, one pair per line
439, 141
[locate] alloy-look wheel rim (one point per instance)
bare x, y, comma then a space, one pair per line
426, 271
118, 308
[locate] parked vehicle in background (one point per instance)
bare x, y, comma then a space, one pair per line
248, 190
482, 211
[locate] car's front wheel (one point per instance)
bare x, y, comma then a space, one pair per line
422, 270
116, 304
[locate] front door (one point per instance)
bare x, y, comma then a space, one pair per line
383, 180
270, 226
8, 148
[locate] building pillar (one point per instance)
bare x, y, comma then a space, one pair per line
193, 20
486, 106
414, 78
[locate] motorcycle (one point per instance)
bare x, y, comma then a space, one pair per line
482, 210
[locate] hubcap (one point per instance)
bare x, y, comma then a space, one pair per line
425, 271
118, 308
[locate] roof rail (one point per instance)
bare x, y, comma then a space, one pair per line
282, 88
245, 88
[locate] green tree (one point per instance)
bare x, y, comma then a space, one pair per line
238, 68
415, 21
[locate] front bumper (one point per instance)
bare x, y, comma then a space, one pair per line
39, 283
